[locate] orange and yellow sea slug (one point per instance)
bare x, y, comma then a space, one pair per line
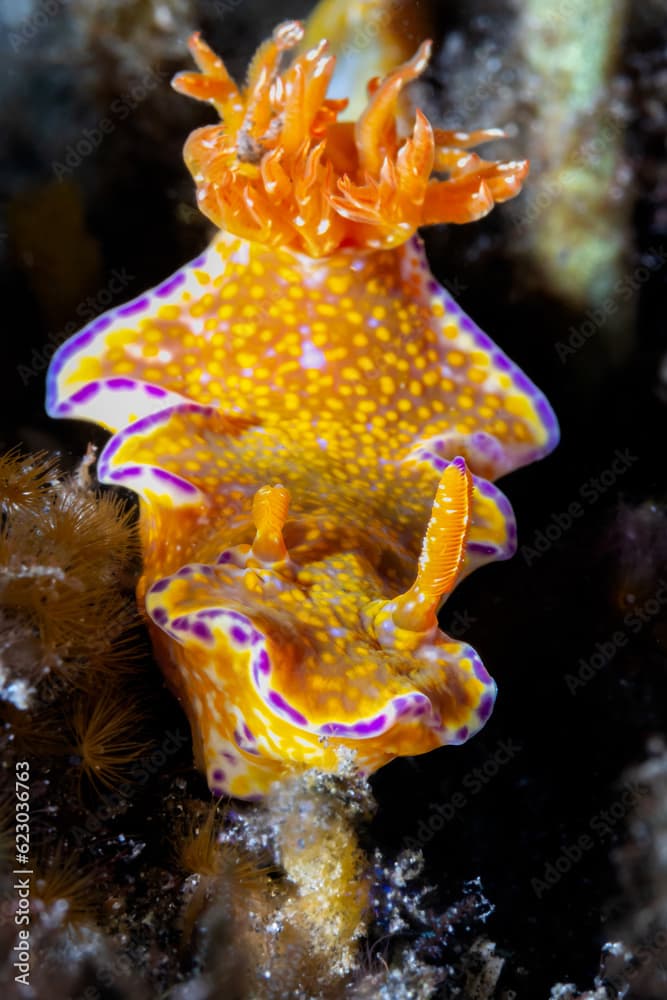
312, 425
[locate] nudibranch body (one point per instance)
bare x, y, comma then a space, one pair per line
312, 425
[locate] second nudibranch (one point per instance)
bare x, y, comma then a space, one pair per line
312, 425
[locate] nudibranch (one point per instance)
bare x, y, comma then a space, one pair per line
312, 425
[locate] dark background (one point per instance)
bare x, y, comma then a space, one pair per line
126, 209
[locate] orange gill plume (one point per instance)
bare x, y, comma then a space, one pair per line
283, 171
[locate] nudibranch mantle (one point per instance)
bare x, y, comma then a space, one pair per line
312, 425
